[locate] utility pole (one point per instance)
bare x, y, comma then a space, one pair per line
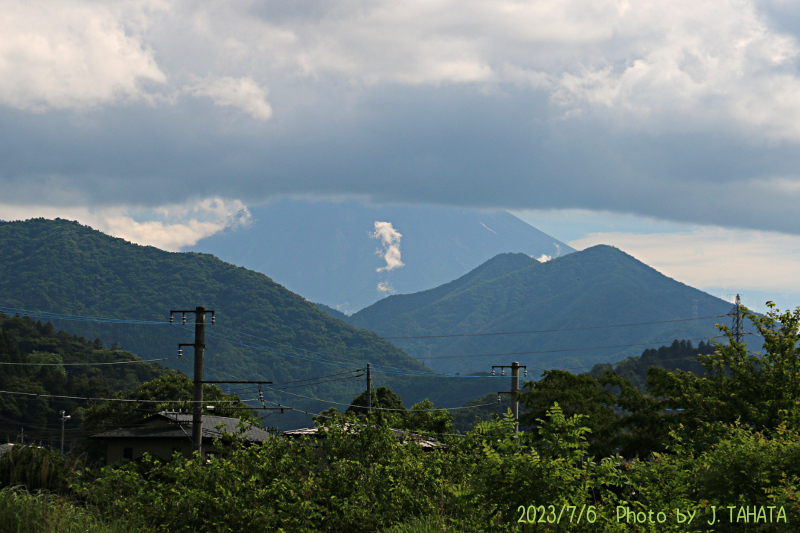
737, 330
369, 388
515, 366
199, 347
64, 418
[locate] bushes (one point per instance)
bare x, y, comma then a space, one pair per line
23, 512
35, 468
355, 479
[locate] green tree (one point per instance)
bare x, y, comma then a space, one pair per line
760, 389
159, 395
576, 394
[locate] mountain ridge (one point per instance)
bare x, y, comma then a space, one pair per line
262, 331
327, 251
579, 289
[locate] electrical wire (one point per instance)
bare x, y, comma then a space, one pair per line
125, 400
90, 364
386, 369
425, 358
291, 339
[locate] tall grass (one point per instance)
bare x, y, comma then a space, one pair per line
23, 512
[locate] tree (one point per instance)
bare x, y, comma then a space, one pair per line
577, 394
158, 395
388, 408
760, 389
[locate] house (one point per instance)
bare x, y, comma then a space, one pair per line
405, 437
168, 432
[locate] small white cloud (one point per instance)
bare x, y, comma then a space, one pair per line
544, 258
385, 287
243, 93
390, 238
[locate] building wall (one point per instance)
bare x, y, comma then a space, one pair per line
161, 447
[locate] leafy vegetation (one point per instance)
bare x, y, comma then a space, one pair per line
39, 360
24, 512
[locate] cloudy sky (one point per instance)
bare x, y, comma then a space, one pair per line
669, 129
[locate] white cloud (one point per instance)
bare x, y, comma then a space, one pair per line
712, 257
544, 258
73, 54
171, 227
243, 93
390, 238
385, 287
717, 60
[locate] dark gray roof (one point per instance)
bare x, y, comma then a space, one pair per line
403, 436
180, 425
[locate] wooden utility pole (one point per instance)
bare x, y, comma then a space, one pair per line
199, 347
369, 388
515, 366
197, 397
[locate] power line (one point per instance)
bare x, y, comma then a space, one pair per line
126, 400
424, 358
289, 339
386, 369
90, 364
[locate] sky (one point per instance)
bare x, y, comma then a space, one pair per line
668, 129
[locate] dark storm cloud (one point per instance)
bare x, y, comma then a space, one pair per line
438, 145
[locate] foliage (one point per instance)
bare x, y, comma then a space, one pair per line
388, 409
170, 386
576, 394
357, 477
35, 468
761, 390
43, 365
680, 355
23, 512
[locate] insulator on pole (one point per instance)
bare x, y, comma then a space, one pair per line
171, 319
502, 371
180, 351
493, 371
498, 398
184, 318
213, 319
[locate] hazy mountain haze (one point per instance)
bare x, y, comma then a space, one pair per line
347, 254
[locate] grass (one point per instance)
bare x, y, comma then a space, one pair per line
25, 512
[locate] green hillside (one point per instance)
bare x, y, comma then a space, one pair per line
34, 358
598, 287
262, 331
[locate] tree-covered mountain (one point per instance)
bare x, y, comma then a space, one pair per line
323, 249
575, 303
36, 359
262, 331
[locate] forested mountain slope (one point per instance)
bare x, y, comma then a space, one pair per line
596, 288
262, 331
34, 358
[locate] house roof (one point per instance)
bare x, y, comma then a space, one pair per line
168, 424
403, 436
